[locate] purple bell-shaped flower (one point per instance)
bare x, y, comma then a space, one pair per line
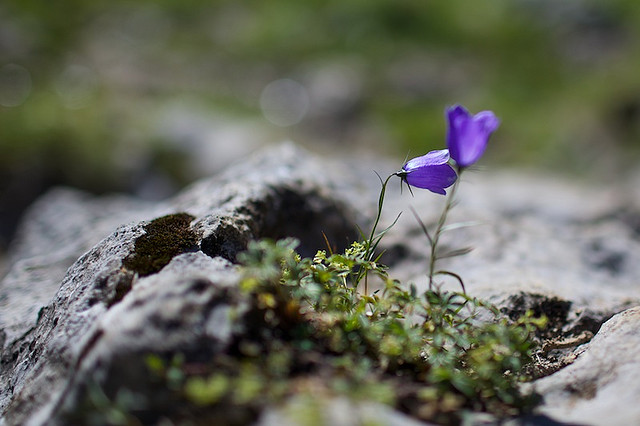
468, 135
430, 171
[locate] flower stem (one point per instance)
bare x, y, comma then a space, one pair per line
372, 242
439, 227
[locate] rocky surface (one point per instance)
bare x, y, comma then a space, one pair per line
79, 304
56, 231
603, 384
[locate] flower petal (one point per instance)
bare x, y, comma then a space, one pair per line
468, 136
457, 113
430, 159
435, 178
457, 116
487, 120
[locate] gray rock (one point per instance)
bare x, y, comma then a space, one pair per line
602, 386
53, 336
56, 231
77, 308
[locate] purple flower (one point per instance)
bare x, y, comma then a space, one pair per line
431, 171
468, 135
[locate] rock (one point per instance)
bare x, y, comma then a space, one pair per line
56, 231
52, 336
185, 308
602, 386
96, 284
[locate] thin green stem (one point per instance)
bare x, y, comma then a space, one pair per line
439, 228
383, 190
371, 243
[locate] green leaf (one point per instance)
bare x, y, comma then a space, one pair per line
459, 225
455, 253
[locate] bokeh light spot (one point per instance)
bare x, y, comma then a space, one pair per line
284, 102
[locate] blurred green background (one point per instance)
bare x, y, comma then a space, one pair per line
146, 96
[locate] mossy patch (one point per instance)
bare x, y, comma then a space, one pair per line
165, 238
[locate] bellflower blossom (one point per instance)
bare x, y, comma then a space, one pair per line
430, 171
468, 135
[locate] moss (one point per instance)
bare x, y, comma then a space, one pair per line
165, 238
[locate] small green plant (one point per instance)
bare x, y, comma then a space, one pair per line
306, 328
307, 325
